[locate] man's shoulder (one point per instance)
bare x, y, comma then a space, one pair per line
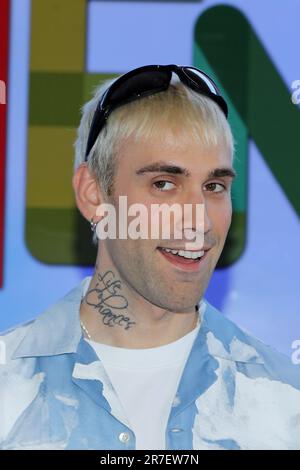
227, 339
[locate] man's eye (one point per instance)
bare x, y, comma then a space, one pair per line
163, 185
215, 187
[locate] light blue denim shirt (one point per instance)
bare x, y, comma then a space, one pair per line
234, 393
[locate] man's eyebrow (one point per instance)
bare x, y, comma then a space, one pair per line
161, 167
219, 172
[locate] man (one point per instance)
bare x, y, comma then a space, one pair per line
134, 357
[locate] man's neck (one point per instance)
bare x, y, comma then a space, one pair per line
112, 314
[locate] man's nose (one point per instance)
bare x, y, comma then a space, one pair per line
195, 211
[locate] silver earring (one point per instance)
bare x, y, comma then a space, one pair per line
93, 224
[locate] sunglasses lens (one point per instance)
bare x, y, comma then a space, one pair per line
140, 84
201, 82
201, 79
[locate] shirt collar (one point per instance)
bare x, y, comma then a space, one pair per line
225, 340
57, 330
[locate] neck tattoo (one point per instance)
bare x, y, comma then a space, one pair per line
108, 299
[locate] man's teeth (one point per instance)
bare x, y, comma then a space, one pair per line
185, 253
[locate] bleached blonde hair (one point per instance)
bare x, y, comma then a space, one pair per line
177, 109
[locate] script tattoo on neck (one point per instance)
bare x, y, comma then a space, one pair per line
105, 298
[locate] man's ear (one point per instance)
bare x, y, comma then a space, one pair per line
87, 191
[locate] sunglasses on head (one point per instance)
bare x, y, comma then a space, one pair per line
145, 81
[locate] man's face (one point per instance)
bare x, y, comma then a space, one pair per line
167, 170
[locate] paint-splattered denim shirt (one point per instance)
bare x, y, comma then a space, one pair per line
234, 393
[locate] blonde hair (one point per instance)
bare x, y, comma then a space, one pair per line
178, 109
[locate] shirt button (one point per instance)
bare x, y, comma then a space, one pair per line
176, 430
124, 437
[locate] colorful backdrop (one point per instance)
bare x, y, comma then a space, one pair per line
54, 52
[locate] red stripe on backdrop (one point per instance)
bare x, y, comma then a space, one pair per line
4, 26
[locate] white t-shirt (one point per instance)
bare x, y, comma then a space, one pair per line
146, 381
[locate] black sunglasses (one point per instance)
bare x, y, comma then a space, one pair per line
145, 81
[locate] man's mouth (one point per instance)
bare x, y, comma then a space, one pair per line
184, 259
